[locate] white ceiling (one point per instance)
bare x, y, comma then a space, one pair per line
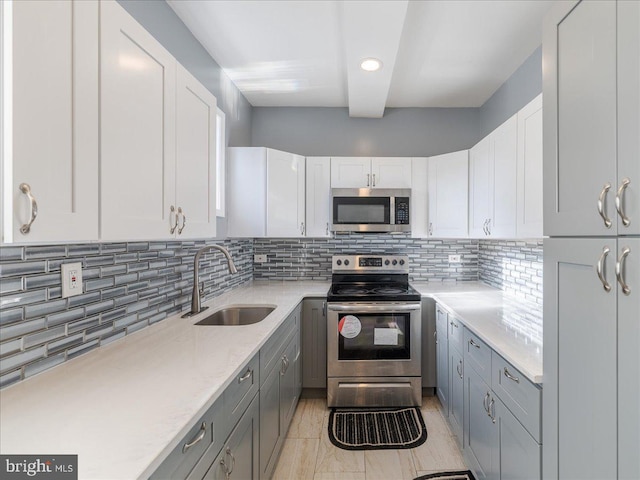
435, 53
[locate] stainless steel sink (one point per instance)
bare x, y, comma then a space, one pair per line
238, 315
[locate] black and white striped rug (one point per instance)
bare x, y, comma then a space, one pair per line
360, 429
462, 475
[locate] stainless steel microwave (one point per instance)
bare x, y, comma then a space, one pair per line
371, 209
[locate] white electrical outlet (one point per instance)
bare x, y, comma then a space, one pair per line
455, 258
260, 259
71, 279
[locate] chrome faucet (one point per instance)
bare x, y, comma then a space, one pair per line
197, 292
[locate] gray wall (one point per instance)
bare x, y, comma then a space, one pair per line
161, 21
523, 86
404, 132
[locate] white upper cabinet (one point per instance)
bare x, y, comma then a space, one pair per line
492, 168
195, 157
50, 92
580, 121
138, 112
448, 195
365, 172
318, 197
265, 193
285, 194
529, 171
420, 197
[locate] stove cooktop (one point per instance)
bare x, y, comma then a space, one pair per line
372, 292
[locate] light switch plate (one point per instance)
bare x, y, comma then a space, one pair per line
259, 259
71, 279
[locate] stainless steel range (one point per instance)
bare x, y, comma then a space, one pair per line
373, 333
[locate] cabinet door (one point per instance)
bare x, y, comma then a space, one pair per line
442, 369
580, 336
579, 87
246, 192
391, 172
53, 120
456, 414
350, 172
481, 436
314, 344
629, 115
448, 195
195, 157
629, 363
502, 221
288, 384
419, 197
480, 188
285, 194
137, 102
520, 455
270, 424
318, 196
529, 171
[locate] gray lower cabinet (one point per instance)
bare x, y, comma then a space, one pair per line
456, 389
314, 343
239, 459
279, 391
429, 346
442, 354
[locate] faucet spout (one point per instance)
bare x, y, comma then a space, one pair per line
196, 306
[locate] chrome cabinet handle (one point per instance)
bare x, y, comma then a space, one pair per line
247, 375
302, 228
473, 344
492, 410
601, 204
459, 368
509, 376
599, 265
285, 365
26, 189
374, 179
184, 220
197, 439
619, 196
484, 227
430, 228
368, 175
172, 211
327, 228
454, 324
227, 471
488, 226
484, 403
233, 460
620, 270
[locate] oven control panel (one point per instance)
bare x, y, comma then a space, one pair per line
370, 263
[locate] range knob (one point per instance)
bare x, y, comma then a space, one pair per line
338, 262
395, 262
401, 262
346, 262
386, 262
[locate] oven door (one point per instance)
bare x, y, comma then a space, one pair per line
377, 339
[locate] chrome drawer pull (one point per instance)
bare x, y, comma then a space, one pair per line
454, 324
620, 270
368, 176
473, 344
601, 204
509, 376
459, 368
184, 220
492, 410
374, 179
484, 403
625, 183
599, 265
198, 439
26, 189
245, 376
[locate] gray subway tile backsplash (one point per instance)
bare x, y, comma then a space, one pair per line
129, 286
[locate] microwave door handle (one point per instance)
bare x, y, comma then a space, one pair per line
392, 208
387, 307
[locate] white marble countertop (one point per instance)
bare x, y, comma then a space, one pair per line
510, 326
123, 407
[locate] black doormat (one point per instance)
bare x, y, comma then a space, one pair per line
462, 475
367, 429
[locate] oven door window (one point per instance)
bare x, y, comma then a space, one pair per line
380, 337
361, 210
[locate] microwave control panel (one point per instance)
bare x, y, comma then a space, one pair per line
402, 211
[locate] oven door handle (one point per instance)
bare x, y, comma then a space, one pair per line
387, 307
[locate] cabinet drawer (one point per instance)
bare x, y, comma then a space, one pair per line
477, 355
456, 335
239, 393
272, 350
519, 395
207, 433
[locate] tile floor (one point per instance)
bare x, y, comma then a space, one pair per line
308, 453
